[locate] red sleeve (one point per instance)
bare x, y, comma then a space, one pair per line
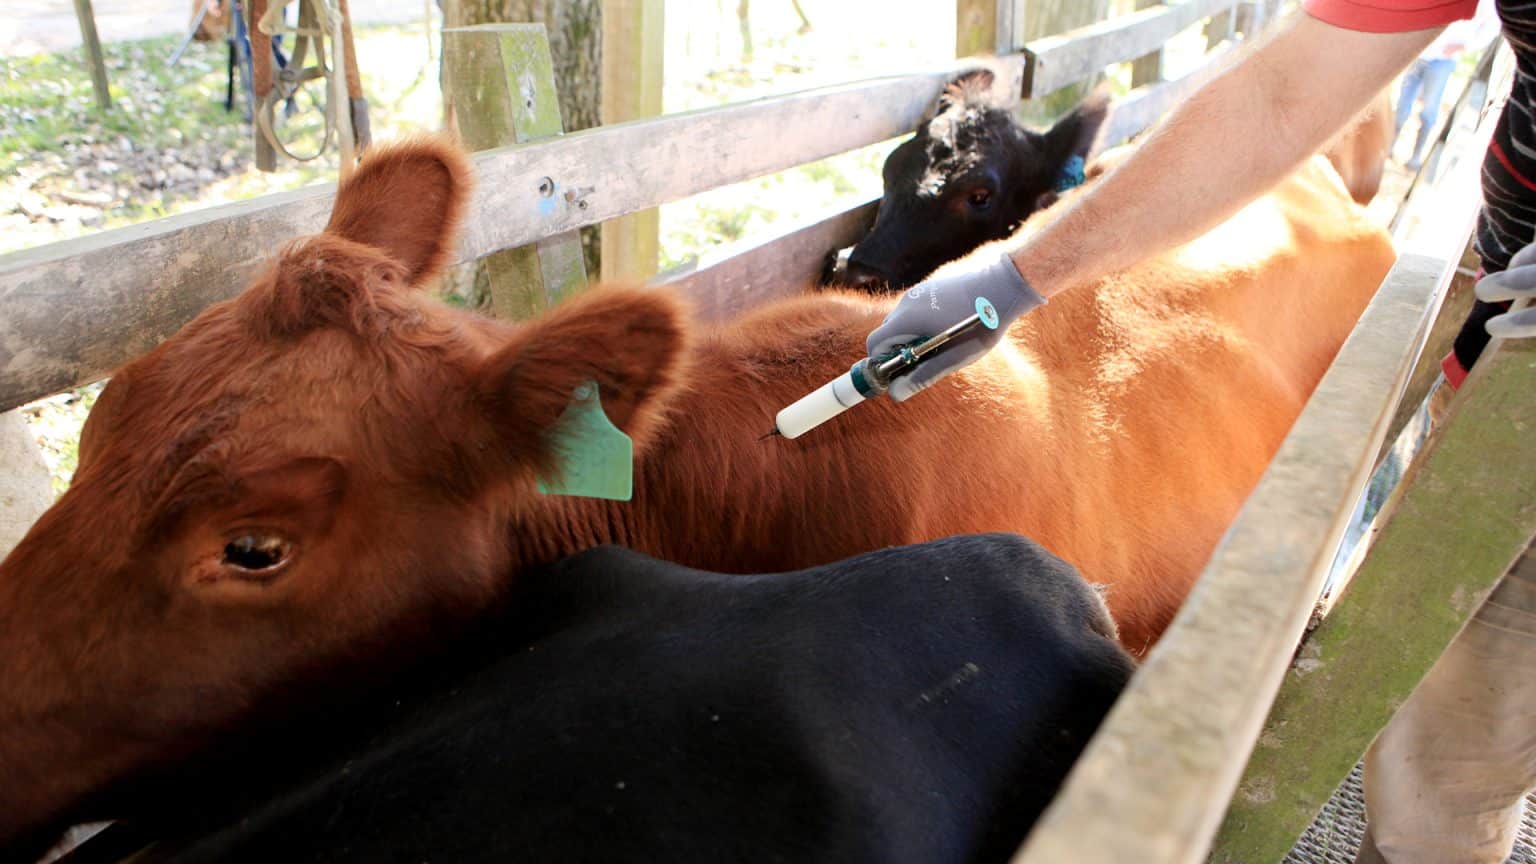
1389, 16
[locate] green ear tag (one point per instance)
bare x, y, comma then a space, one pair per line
597, 460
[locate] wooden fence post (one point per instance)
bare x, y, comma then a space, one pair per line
1468, 512
499, 86
975, 27
25, 491
633, 45
1012, 26
1219, 29
92, 46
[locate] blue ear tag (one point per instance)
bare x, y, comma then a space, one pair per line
597, 460
1071, 175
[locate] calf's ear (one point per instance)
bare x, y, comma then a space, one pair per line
973, 87
1074, 136
406, 199
632, 342
1077, 134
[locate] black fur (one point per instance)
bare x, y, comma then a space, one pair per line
918, 704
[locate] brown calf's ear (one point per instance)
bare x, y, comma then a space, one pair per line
631, 341
406, 199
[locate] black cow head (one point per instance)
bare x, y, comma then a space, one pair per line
970, 175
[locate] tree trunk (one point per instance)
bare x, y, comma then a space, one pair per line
576, 46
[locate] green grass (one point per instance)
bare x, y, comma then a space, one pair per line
167, 144
46, 100
46, 105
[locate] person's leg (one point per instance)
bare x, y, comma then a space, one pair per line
1446, 779
1437, 74
1412, 79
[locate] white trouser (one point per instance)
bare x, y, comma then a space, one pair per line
1446, 779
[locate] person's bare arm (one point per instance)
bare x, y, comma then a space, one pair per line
1232, 140
1235, 138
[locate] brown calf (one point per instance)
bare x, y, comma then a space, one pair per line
323, 469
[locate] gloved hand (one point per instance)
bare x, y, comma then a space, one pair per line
939, 303
1515, 283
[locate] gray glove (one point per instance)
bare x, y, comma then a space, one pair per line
934, 305
1518, 282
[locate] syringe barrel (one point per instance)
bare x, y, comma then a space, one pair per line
816, 408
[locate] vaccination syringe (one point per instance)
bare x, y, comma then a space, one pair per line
869, 377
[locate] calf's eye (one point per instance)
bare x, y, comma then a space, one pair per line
256, 552
979, 198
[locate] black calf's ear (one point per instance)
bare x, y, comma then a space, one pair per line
973, 87
1077, 134
1069, 144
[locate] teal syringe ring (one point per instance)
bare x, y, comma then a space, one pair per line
869, 378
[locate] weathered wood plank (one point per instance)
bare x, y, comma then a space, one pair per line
1451, 310
1468, 511
72, 312
633, 48
1153, 784
1045, 18
741, 277
1056, 61
1011, 26
499, 85
1146, 106
1441, 213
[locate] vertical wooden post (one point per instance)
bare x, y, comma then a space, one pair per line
499, 89
633, 45
1147, 69
25, 490
975, 26
1219, 29
1012, 26
93, 57
1469, 509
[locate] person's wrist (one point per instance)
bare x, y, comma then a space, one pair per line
1018, 295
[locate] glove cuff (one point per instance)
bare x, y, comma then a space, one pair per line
1020, 295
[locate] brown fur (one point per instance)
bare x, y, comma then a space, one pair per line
393, 443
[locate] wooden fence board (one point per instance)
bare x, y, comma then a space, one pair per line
72, 312
742, 277
1469, 510
1154, 783
499, 83
1056, 61
1146, 106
